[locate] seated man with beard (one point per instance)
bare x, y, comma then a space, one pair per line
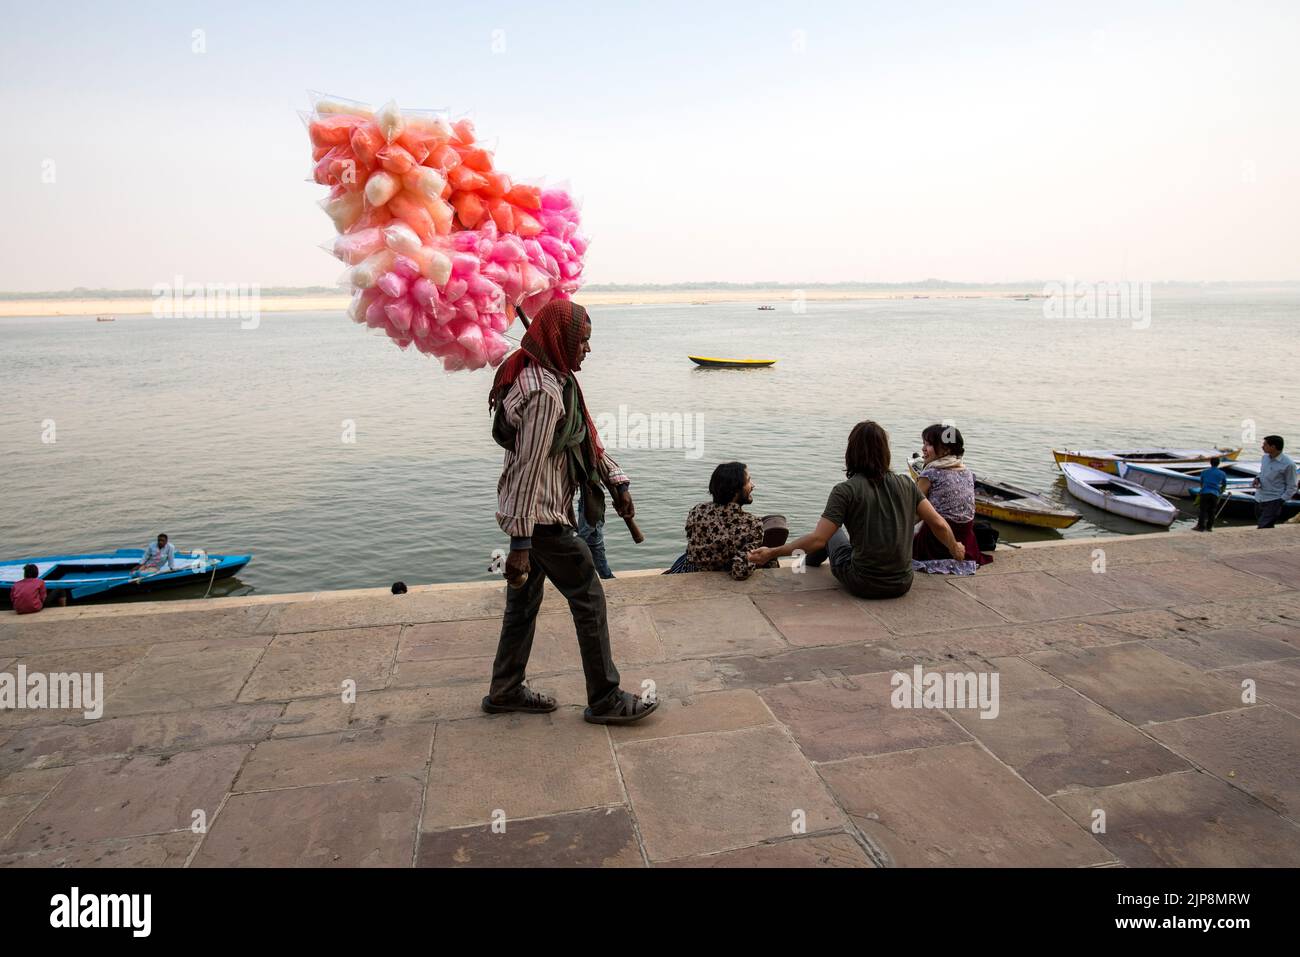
720, 534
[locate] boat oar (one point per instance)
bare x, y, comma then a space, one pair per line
637, 537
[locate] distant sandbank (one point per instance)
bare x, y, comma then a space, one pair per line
323, 303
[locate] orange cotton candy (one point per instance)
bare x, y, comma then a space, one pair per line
498, 184
465, 179
367, 141
503, 215
529, 197
332, 130
463, 131
396, 160
409, 210
420, 143
477, 159
444, 158
469, 209
525, 225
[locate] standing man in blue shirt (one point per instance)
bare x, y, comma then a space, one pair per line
1276, 483
1213, 481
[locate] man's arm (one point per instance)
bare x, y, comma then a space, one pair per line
1290, 478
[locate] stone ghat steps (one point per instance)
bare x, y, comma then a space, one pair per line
1120, 691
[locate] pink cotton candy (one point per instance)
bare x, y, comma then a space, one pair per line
464, 264
419, 324
556, 198
424, 293
391, 284
496, 347
352, 248
375, 315
455, 289
400, 313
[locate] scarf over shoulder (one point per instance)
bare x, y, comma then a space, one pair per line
553, 341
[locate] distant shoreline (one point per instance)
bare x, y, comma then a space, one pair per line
40, 308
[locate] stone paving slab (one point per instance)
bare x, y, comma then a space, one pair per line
1276, 682
1256, 749
1138, 683
1189, 819
316, 663
834, 719
776, 743
821, 618
520, 765
1059, 741
956, 806
600, 837
133, 797
714, 792
818, 850
353, 824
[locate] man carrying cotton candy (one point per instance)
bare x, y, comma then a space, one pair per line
552, 449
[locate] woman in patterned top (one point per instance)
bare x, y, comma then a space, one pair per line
719, 534
950, 486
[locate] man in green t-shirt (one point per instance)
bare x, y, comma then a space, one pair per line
878, 509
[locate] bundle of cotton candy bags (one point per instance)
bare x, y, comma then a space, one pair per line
442, 246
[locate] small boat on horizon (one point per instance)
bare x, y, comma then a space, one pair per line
112, 573
1107, 460
710, 362
767, 308
1117, 496
1003, 502
106, 318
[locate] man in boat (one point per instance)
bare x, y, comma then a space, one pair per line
552, 449
1276, 484
157, 557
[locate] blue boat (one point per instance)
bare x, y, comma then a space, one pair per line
112, 573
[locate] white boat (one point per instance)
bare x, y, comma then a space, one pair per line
1107, 460
1118, 496
1181, 481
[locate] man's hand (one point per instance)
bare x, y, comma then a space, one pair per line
958, 551
517, 567
623, 503
761, 556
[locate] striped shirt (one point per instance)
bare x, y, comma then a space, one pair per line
535, 488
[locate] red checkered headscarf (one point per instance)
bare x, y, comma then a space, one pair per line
553, 341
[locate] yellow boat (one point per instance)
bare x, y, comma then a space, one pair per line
1012, 504
712, 363
1107, 460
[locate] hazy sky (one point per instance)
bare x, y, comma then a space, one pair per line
799, 142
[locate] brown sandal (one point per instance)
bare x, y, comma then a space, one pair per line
527, 701
626, 709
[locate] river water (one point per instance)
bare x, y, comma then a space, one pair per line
341, 462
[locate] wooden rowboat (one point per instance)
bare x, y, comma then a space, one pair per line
1181, 481
1118, 496
714, 363
1003, 502
1107, 460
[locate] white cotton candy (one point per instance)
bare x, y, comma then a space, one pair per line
401, 238
366, 273
438, 271
390, 120
430, 182
345, 210
381, 187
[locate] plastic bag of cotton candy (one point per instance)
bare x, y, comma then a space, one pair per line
441, 245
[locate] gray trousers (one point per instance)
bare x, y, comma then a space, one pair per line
1267, 514
560, 555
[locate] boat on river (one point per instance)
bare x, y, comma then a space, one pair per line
104, 574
